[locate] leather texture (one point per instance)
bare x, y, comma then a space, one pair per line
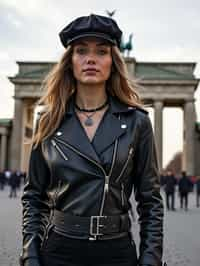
69, 173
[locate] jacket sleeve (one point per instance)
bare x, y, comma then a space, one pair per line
148, 198
35, 202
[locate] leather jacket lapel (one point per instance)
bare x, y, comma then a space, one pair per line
72, 132
113, 126
108, 132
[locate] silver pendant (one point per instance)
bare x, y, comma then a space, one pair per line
89, 122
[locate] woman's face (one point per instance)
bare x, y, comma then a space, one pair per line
91, 61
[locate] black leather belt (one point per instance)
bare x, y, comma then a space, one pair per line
92, 226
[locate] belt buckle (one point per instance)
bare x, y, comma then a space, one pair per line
95, 230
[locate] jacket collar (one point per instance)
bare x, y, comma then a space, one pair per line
109, 129
116, 106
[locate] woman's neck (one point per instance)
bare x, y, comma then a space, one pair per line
90, 97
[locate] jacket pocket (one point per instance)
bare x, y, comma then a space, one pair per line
130, 154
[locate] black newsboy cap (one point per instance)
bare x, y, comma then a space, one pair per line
92, 25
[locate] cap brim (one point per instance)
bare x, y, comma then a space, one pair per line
92, 34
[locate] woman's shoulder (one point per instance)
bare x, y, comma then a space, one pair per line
117, 105
142, 110
39, 110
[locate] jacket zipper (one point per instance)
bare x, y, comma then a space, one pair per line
125, 165
122, 194
59, 150
106, 183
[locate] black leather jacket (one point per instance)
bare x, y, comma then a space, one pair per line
67, 173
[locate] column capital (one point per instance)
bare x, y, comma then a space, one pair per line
190, 100
158, 103
17, 98
4, 134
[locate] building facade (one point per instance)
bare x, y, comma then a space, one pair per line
162, 85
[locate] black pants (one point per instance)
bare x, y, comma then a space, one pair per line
13, 192
168, 196
64, 251
197, 198
184, 197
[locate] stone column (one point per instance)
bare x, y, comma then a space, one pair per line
158, 130
189, 137
17, 135
3, 152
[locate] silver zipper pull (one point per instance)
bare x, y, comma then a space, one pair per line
131, 150
53, 142
106, 187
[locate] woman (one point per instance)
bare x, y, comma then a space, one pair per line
93, 144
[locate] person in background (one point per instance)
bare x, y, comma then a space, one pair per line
13, 183
170, 188
18, 175
184, 189
7, 174
2, 180
197, 191
162, 178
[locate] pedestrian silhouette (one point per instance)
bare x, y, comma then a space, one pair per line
184, 188
169, 187
13, 182
2, 180
198, 191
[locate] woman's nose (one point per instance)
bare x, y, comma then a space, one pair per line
91, 59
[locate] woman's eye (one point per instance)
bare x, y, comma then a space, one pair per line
102, 52
81, 50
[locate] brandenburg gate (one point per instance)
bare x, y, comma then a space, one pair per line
162, 85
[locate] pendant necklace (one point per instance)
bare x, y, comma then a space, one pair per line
89, 121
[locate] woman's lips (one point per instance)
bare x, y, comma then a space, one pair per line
90, 71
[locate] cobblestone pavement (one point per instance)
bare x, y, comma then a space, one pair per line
181, 241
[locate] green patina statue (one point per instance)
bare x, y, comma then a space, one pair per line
125, 46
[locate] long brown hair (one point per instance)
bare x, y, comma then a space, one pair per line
60, 84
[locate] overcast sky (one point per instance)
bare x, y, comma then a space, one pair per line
162, 31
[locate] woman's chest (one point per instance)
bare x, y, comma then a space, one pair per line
91, 122
72, 156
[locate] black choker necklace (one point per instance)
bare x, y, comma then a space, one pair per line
89, 121
92, 110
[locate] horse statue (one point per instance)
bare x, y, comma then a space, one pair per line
128, 46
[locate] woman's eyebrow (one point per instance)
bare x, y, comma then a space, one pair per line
98, 44
81, 43
103, 43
